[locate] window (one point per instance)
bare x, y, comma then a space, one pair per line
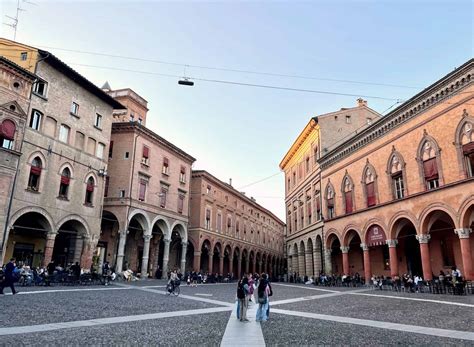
89, 192
315, 153
219, 222
64, 133
35, 121
165, 168
318, 206
106, 188
50, 126
140, 121
74, 109
39, 88
370, 187
91, 143
180, 203
64, 184
398, 188
23, 56
288, 185
208, 220
126, 155
348, 195
132, 117
145, 155
208, 190
309, 211
142, 190
307, 165
80, 139
290, 222
182, 175
294, 178
163, 194
301, 213
35, 173
98, 121
430, 171
466, 139
122, 193
100, 150
369, 121
348, 119
330, 202
229, 224
7, 133
111, 149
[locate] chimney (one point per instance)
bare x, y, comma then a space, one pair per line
230, 182
361, 102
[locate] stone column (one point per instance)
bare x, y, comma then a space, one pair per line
166, 257
86, 257
197, 261
328, 262
121, 251
466, 252
184, 249
247, 265
367, 268
309, 263
146, 253
259, 267
345, 260
301, 265
209, 268
392, 249
290, 265
221, 264
423, 239
78, 245
317, 261
48, 248
239, 266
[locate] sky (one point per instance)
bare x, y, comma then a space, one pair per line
243, 132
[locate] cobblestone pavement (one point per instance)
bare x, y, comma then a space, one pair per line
141, 313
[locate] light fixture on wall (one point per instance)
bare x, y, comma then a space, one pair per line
102, 172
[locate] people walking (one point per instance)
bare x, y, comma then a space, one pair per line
263, 292
243, 297
9, 277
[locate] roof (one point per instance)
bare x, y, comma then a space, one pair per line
135, 126
235, 191
313, 122
79, 79
18, 68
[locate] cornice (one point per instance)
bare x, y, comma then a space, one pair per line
433, 95
299, 141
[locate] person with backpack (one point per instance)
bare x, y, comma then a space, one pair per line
9, 277
242, 296
263, 292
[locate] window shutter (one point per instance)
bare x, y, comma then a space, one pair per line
165, 162
183, 170
348, 197
141, 194
65, 180
331, 202
7, 129
430, 169
468, 148
36, 170
370, 194
145, 152
90, 187
309, 209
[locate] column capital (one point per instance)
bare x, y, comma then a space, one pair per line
364, 247
197, 253
345, 249
463, 233
423, 238
166, 240
211, 254
147, 238
391, 243
51, 236
184, 243
328, 252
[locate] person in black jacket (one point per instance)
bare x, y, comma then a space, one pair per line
9, 277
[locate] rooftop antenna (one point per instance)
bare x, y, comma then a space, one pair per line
14, 20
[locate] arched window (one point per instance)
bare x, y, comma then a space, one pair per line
330, 202
369, 181
7, 134
35, 174
430, 165
467, 143
89, 191
348, 195
395, 170
64, 185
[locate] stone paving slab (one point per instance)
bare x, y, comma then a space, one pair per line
426, 314
55, 307
196, 330
283, 330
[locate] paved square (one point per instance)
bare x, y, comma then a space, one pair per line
141, 313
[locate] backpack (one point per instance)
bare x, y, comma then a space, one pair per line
262, 299
240, 292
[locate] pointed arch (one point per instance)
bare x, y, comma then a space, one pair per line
369, 184
347, 191
464, 143
396, 172
428, 156
330, 199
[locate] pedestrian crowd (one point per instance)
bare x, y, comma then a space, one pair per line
246, 287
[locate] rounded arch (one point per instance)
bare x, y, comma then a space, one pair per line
371, 222
426, 220
331, 236
351, 227
466, 213
142, 218
309, 245
33, 209
302, 246
163, 224
349, 235
181, 229
394, 225
77, 218
217, 248
206, 241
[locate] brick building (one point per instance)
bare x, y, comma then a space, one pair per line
398, 197
15, 92
230, 233
57, 200
304, 239
146, 213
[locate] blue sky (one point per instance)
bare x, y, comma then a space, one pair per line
243, 132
